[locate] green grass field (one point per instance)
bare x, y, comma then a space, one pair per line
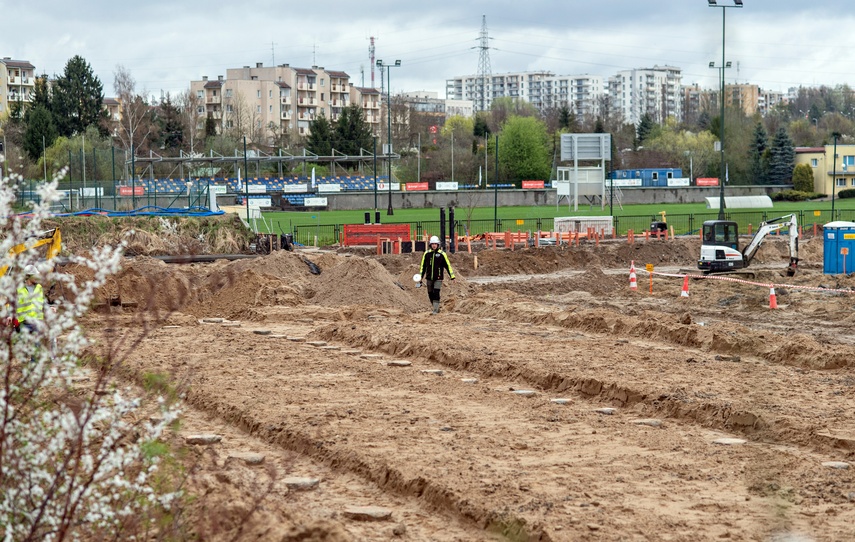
288, 220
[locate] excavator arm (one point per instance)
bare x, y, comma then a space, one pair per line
50, 239
770, 226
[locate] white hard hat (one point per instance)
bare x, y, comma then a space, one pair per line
433, 239
417, 278
30, 270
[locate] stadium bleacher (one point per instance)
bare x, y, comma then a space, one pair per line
179, 186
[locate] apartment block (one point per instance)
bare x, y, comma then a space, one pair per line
268, 99
17, 82
655, 91
543, 89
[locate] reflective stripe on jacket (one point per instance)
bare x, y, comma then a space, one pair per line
31, 306
433, 264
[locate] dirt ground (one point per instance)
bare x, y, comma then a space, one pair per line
546, 402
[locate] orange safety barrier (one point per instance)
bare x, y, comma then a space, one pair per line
371, 234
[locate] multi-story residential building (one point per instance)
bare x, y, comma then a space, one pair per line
655, 91
263, 101
829, 174
543, 89
431, 104
17, 82
768, 99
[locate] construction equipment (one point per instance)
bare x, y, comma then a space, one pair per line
51, 240
720, 250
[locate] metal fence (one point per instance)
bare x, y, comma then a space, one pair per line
683, 224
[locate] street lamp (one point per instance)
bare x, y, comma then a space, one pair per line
715, 4
835, 135
388, 152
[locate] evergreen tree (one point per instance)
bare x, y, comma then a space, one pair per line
40, 132
210, 127
782, 158
644, 129
756, 153
599, 127
704, 121
803, 178
566, 119
77, 98
352, 133
481, 128
170, 123
320, 136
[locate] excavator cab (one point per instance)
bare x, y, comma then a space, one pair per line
720, 247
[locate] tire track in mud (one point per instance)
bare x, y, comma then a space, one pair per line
737, 413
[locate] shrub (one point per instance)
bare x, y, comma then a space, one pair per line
803, 178
795, 195
847, 193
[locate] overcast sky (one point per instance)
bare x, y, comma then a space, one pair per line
165, 44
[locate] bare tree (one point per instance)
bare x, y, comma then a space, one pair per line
191, 117
135, 123
237, 115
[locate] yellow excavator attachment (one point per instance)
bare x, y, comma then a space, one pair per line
51, 240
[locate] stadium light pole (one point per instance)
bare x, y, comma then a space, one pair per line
388, 152
715, 4
836, 135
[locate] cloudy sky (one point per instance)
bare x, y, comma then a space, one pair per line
165, 44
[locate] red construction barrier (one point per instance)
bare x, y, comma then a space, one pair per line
369, 234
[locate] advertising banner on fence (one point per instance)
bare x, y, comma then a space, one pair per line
219, 188
679, 181
532, 184
259, 202
413, 187
91, 192
315, 202
131, 191
385, 186
626, 183
256, 188
329, 187
295, 188
445, 185
707, 181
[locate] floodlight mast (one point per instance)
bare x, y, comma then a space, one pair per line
724, 64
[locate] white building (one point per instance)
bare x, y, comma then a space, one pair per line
543, 89
655, 91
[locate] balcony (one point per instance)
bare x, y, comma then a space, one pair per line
212, 100
285, 100
286, 115
13, 80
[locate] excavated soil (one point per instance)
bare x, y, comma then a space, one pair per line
468, 440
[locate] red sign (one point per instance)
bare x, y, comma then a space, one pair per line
707, 181
131, 190
433, 129
413, 187
532, 184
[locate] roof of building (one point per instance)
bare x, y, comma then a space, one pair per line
338, 74
805, 150
367, 90
213, 84
283, 84
18, 64
110, 101
304, 71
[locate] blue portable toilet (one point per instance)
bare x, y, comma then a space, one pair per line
839, 237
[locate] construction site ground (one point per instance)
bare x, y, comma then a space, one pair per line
547, 401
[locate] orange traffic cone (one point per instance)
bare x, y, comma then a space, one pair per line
685, 292
633, 283
773, 299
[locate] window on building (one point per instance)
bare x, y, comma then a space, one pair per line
814, 162
270, 93
670, 175
258, 94
228, 93
270, 108
841, 182
322, 96
655, 175
849, 161
200, 94
200, 109
258, 109
852, 182
322, 81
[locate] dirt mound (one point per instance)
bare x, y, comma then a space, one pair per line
360, 281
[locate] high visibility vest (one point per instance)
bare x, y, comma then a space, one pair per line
31, 306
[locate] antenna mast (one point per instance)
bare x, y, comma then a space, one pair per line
371, 59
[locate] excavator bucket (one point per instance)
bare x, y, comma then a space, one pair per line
791, 269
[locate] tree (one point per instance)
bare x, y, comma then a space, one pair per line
77, 98
644, 129
757, 155
40, 132
210, 127
803, 178
480, 128
170, 123
782, 158
352, 133
237, 116
136, 122
190, 104
524, 149
320, 140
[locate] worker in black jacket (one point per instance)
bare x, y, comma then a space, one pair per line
434, 264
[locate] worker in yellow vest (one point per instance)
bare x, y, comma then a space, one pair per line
30, 310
